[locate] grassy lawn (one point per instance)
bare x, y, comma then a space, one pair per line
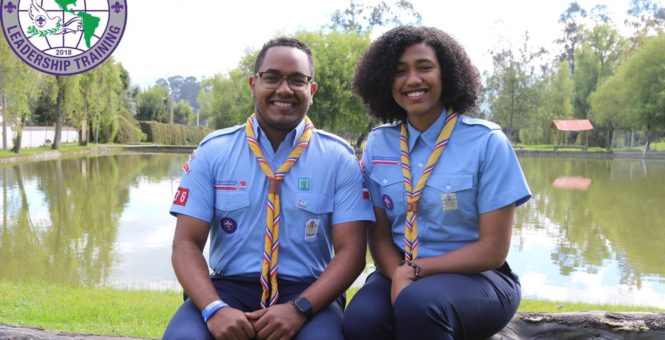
64, 148
142, 313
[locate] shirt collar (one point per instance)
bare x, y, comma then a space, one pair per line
428, 136
292, 137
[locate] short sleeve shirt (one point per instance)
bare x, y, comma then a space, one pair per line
223, 185
478, 172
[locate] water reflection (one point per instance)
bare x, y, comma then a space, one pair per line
61, 217
572, 183
610, 235
103, 221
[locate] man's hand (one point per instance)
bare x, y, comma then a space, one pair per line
280, 321
230, 323
402, 277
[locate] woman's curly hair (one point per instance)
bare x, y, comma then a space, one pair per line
375, 71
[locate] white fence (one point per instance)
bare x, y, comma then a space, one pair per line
35, 136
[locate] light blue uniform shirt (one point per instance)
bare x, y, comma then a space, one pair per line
478, 172
224, 185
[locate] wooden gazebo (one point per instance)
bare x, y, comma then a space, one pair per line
567, 125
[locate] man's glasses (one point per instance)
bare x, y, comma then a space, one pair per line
296, 81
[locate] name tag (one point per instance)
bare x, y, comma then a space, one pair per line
312, 228
449, 201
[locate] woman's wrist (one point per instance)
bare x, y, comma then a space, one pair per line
416, 268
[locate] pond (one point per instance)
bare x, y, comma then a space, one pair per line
593, 232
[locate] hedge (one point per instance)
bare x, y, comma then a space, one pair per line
173, 134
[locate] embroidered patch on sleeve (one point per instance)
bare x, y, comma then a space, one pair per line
181, 197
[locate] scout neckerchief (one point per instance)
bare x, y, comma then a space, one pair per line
270, 294
412, 196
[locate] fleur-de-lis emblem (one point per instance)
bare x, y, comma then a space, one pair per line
10, 7
117, 7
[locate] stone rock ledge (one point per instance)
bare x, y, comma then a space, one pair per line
583, 325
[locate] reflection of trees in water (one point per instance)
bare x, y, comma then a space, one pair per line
633, 219
614, 220
85, 198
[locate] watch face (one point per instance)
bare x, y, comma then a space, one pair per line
304, 306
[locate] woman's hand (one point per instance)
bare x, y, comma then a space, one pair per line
403, 276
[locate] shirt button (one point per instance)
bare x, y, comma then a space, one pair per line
448, 187
421, 164
385, 181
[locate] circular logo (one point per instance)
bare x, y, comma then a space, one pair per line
388, 202
63, 37
228, 225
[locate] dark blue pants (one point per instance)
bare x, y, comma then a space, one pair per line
245, 295
443, 306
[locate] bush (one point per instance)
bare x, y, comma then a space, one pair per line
129, 132
173, 134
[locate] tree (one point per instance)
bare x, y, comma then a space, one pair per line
556, 103
361, 17
226, 99
17, 92
152, 104
636, 90
183, 113
572, 21
335, 106
646, 17
181, 88
512, 90
598, 56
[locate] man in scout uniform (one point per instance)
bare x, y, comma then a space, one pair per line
278, 198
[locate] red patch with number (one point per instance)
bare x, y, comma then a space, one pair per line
181, 197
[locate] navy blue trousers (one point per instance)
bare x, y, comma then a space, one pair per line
245, 295
442, 306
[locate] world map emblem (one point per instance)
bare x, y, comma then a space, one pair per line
63, 37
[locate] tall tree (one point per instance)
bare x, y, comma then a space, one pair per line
152, 104
638, 90
645, 18
181, 88
572, 21
335, 56
17, 90
512, 89
361, 17
556, 103
600, 51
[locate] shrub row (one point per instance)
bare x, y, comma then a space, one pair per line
173, 134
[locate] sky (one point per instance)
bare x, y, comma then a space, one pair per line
201, 38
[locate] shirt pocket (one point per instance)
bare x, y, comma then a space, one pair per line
451, 198
312, 217
392, 190
229, 209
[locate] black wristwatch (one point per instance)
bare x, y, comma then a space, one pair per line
303, 306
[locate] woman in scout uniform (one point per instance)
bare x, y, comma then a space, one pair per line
444, 187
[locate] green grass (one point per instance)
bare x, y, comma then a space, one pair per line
64, 148
136, 313
143, 313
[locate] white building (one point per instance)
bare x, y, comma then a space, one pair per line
35, 136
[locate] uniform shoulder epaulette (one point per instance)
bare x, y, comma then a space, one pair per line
388, 125
477, 121
221, 132
335, 138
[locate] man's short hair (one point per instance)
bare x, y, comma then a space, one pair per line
286, 42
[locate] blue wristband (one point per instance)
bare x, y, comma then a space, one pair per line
211, 309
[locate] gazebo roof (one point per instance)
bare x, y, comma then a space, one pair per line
572, 124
